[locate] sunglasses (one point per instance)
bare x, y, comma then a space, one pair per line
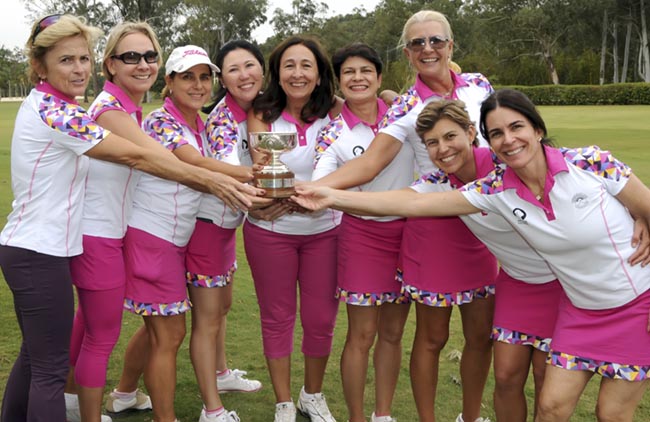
418, 44
133, 57
43, 24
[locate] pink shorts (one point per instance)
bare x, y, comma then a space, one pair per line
367, 261
444, 264
612, 342
210, 259
525, 313
101, 266
155, 275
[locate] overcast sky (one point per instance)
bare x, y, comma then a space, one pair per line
14, 29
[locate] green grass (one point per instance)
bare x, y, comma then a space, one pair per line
625, 130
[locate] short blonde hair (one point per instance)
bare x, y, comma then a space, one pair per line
67, 26
426, 16
436, 111
122, 30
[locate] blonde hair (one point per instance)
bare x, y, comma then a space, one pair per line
425, 16
436, 111
118, 33
67, 26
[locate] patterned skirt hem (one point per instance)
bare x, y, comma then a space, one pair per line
157, 309
505, 335
605, 369
201, 280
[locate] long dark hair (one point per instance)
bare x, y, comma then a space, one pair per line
274, 99
516, 101
221, 56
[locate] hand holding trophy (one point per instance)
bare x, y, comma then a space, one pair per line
274, 177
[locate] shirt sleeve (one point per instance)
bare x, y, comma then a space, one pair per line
165, 129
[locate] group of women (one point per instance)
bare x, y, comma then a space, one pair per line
141, 213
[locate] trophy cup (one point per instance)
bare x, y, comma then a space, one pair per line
275, 177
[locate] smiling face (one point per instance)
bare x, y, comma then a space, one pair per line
242, 75
66, 66
513, 138
298, 73
358, 80
134, 79
450, 148
190, 89
430, 62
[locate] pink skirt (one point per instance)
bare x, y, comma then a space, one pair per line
612, 342
525, 313
155, 275
101, 266
368, 251
211, 259
443, 263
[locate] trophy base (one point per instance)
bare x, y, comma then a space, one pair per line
276, 185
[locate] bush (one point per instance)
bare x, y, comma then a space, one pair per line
614, 94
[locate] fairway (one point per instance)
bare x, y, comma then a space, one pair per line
625, 130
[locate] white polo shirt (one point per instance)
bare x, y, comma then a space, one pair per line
580, 229
399, 122
48, 168
227, 132
300, 161
161, 207
347, 137
514, 254
110, 186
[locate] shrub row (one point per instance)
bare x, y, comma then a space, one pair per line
614, 94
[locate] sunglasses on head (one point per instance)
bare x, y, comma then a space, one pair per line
43, 24
133, 57
418, 44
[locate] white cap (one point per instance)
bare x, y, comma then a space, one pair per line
183, 58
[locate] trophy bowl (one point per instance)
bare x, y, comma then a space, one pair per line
274, 177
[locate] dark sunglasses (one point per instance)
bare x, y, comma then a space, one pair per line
44, 23
435, 42
133, 57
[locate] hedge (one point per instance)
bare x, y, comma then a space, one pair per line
613, 94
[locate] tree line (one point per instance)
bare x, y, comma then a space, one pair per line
512, 42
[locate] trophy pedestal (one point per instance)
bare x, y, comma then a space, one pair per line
276, 185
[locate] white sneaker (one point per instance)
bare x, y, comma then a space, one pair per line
314, 407
389, 418
224, 417
285, 412
72, 412
235, 382
141, 401
459, 418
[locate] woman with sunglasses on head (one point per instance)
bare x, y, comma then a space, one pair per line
52, 141
211, 254
289, 251
575, 208
368, 248
435, 287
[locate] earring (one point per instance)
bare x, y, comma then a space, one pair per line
540, 139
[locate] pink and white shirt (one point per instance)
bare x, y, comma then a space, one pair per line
48, 168
347, 137
110, 186
227, 132
580, 228
300, 161
399, 122
161, 207
514, 254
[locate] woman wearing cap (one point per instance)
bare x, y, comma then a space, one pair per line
295, 251
52, 141
162, 221
211, 253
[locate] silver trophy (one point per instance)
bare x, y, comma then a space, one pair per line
275, 177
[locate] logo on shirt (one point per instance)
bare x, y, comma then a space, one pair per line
358, 150
521, 216
579, 200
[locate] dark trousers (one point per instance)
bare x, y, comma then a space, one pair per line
44, 305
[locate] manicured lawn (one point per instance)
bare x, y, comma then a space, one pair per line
623, 130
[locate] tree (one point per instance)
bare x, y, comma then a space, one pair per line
305, 16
